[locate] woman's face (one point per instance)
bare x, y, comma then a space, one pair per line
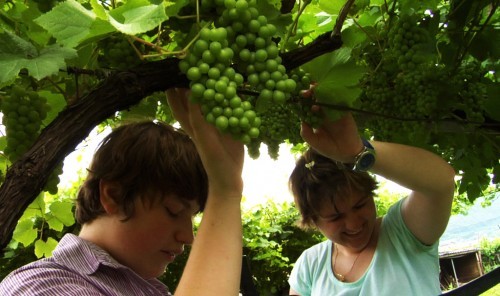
348, 221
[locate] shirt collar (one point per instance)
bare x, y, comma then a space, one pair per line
82, 255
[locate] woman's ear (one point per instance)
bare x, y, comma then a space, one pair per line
108, 192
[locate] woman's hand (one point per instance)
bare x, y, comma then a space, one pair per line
222, 156
338, 140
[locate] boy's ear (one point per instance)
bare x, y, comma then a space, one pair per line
107, 194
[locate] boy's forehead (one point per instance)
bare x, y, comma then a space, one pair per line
191, 204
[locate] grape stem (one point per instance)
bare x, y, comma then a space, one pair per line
337, 28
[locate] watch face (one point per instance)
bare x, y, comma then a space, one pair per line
365, 162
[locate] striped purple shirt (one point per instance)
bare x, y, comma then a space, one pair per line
78, 267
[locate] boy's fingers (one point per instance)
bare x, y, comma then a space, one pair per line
177, 100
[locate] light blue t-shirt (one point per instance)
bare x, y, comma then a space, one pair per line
401, 265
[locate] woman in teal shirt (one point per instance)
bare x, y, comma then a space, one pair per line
365, 254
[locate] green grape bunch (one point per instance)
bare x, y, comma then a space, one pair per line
118, 53
237, 75
23, 112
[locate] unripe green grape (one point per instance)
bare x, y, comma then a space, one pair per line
270, 84
279, 97
232, 14
209, 94
197, 90
231, 93
250, 38
250, 115
253, 79
213, 73
208, 57
193, 74
241, 41
205, 34
184, 66
245, 16
245, 138
264, 76
253, 26
219, 97
221, 122
200, 46
235, 102
244, 123
227, 112
215, 48
221, 86
219, 34
272, 51
225, 56
246, 105
239, 111
237, 27
241, 5
260, 43
230, 73
245, 55
210, 118
229, 4
233, 121
203, 67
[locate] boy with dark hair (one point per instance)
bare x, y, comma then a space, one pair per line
145, 184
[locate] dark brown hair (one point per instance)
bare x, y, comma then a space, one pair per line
316, 178
147, 160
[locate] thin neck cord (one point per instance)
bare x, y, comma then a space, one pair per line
338, 275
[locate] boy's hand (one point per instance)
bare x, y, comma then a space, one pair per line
222, 156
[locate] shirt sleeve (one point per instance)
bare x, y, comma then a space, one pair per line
397, 226
300, 277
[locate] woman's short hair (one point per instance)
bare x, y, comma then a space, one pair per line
147, 160
316, 179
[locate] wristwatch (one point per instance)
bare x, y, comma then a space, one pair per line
365, 159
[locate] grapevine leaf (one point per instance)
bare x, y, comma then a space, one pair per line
136, 17
57, 103
54, 223
3, 143
98, 9
35, 209
25, 232
173, 7
145, 109
337, 76
353, 36
49, 61
17, 54
492, 104
45, 249
410, 6
331, 7
485, 44
60, 214
34, 31
370, 18
69, 22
